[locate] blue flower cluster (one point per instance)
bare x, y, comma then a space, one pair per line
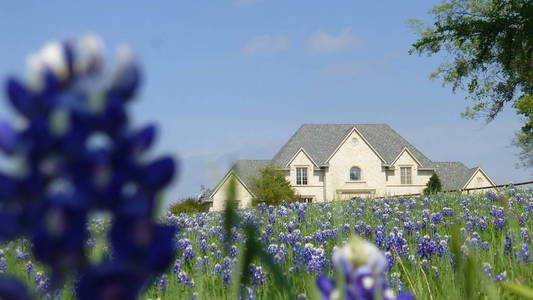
76, 153
363, 268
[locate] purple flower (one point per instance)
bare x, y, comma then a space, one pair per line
188, 253
523, 256
161, 285
3, 265
233, 252
81, 155
258, 276
12, 289
185, 279
426, 248
508, 244
363, 266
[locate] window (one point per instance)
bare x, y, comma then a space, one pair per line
405, 173
306, 200
301, 176
355, 174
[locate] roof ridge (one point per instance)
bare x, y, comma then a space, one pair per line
286, 143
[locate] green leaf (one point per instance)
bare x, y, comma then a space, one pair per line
520, 290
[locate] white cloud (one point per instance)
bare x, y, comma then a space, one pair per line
323, 42
267, 44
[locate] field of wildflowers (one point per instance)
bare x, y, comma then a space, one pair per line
77, 215
412, 235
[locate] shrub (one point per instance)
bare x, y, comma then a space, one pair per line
433, 186
271, 187
189, 206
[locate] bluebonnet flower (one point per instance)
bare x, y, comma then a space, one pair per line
493, 197
161, 285
188, 253
302, 212
21, 255
426, 248
501, 277
447, 212
363, 266
487, 268
233, 252
29, 268
508, 244
80, 154
203, 245
523, 256
258, 276
90, 243
225, 270
13, 289
3, 264
524, 232
436, 218
185, 279
178, 266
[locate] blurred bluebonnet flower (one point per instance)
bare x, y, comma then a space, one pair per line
523, 256
81, 154
161, 285
447, 212
258, 276
185, 279
501, 277
363, 266
21, 255
524, 232
3, 264
188, 253
508, 244
233, 251
178, 266
12, 289
29, 268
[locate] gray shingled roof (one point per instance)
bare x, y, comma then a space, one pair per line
453, 174
320, 140
246, 169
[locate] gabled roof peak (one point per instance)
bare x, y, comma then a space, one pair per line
321, 140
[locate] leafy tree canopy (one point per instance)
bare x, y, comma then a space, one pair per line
271, 187
490, 47
189, 206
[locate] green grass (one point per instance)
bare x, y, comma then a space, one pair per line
435, 278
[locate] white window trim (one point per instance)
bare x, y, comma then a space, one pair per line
410, 181
306, 176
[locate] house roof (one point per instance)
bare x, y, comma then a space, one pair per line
246, 169
321, 140
453, 174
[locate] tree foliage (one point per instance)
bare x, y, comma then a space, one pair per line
490, 47
433, 186
189, 206
271, 187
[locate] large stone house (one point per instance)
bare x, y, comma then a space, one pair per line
327, 162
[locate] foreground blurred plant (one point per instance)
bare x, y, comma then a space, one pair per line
361, 266
74, 153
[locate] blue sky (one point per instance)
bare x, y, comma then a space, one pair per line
233, 79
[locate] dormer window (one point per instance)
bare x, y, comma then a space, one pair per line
355, 174
301, 176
